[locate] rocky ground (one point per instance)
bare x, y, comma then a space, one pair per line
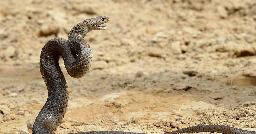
160, 65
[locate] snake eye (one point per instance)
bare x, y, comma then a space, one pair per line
102, 19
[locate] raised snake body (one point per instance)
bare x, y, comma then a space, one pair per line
77, 57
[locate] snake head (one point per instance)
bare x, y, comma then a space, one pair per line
96, 23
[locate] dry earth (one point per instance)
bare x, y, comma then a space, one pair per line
161, 65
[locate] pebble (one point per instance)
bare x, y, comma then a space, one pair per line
9, 52
13, 94
249, 38
226, 47
21, 112
245, 51
139, 74
30, 124
3, 34
87, 10
5, 109
6, 118
192, 31
155, 53
157, 37
121, 61
128, 42
112, 104
9, 117
176, 47
1, 17
12, 116
190, 73
150, 31
20, 88
99, 65
65, 125
222, 12
47, 30
23, 132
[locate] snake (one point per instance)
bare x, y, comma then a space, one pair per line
77, 56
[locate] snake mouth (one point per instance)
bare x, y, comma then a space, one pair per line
100, 20
103, 27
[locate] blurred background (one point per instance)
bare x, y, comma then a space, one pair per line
159, 66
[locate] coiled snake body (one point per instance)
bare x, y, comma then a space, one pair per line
77, 57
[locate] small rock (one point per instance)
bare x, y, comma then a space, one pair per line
221, 40
65, 125
13, 94
151, 31
21, 112
1, 118
20, 88
183, 87
249, 39
4, 109
176, 48
112, 104
157, 37
245, 53
86, 10
1, 17
249, 103
192, 31
99, 65
30, 124
47, 30
183, 48
128, 42
3, 34
226, 47
155, 53
154, 40
243, 50
139, 74
121, 61
12, 105
17, 63
23, 132
190, 73
10, 52
41, 21
58, 17
9, 117
252, 11
6, 118
12, 116
222, 12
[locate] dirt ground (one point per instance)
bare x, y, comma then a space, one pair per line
160, 65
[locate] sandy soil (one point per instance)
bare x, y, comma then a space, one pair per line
161, 65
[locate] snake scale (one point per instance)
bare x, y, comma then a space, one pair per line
77, 56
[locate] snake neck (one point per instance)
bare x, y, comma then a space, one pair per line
54, 109
80, 30
77, 57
